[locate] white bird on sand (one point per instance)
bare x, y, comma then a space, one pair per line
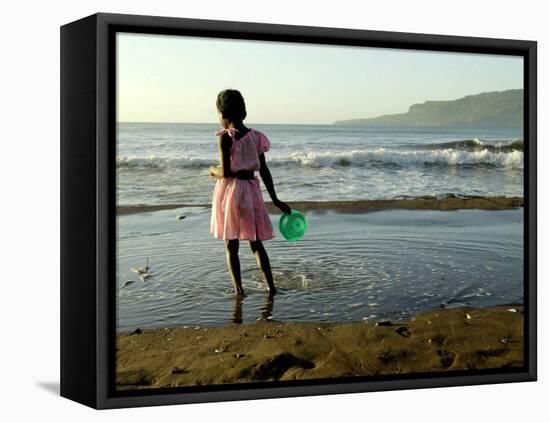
142, 270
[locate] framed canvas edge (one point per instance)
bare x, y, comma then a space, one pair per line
107, 24
312, 390
530, 225
78, 276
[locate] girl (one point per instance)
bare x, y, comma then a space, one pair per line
238, 209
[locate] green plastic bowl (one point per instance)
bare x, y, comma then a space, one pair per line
293, 226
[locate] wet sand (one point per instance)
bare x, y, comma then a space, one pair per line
440, 340
363, 206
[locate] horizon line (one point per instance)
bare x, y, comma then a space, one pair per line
338, 120
212, 123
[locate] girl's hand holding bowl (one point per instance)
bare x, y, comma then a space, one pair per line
285, 208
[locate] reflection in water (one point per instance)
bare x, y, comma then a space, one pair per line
266, 310
238, 309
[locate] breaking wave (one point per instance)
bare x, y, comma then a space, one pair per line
356, 158
476, 144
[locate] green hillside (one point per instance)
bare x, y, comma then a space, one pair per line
493, 109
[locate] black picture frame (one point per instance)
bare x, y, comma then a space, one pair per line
88, 207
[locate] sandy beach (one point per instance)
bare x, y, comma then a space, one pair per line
268, 350
363, 206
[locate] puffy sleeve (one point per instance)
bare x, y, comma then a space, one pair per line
263, 143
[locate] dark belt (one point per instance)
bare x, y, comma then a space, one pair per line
244, 174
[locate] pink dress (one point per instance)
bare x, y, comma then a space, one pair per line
238, 209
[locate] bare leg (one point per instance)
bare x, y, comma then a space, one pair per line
234, 264
258, 249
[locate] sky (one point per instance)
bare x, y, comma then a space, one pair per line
165, 78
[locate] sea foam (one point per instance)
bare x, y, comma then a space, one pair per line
357, 158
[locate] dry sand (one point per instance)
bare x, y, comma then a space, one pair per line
362, 206
450, 339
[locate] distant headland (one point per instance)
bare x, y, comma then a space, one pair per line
491, 109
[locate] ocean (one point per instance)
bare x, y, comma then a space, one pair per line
168, 163
350, 267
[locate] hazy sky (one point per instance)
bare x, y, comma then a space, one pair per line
177, 79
